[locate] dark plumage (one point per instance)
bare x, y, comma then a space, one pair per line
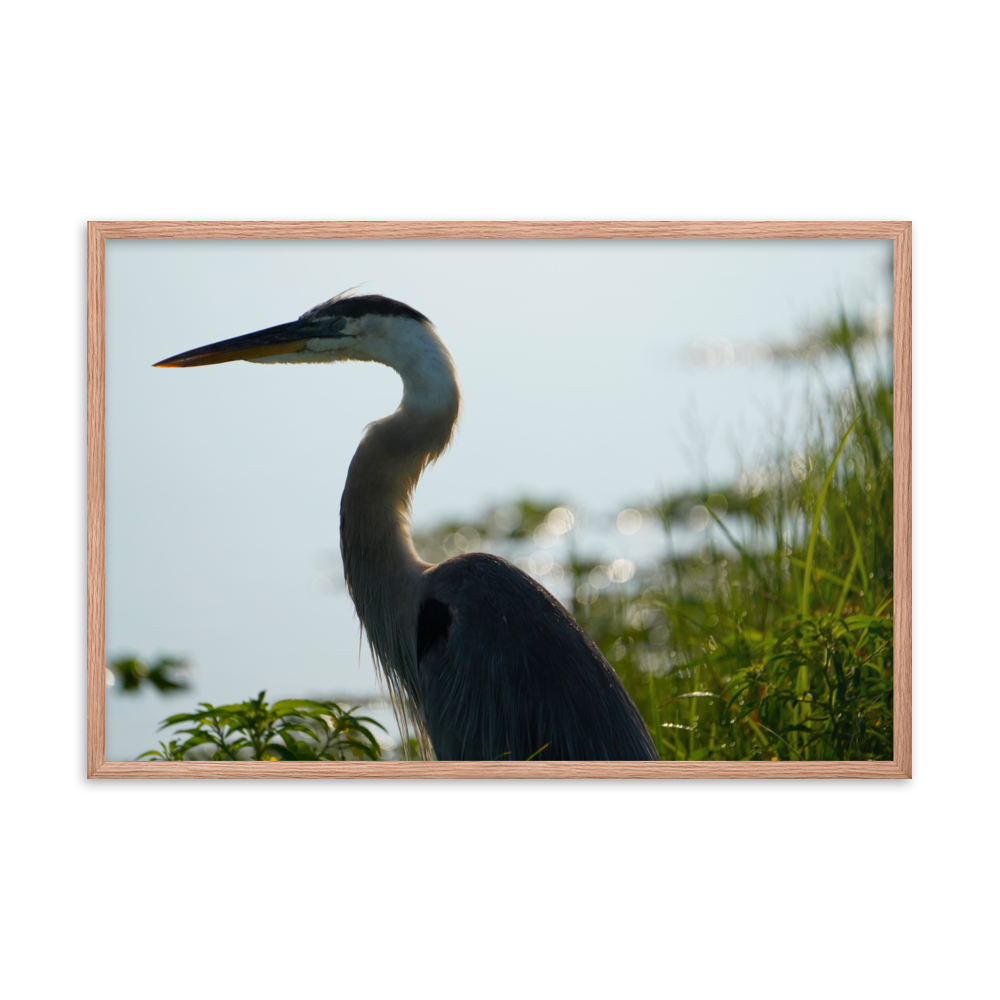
355, 306
505, 670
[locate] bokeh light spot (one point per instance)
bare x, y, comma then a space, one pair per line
698, 518
559, 520
717, 504
621, 571
629, 521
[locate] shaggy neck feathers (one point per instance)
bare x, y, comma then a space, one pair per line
382, 569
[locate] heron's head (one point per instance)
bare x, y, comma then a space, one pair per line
345, 328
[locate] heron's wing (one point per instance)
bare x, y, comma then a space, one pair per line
505, 670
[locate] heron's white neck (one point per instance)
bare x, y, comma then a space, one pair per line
380, 564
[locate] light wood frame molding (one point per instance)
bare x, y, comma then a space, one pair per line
899, 232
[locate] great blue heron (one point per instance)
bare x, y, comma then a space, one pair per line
482, 659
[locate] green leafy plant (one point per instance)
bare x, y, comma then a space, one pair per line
292, 729
167, 674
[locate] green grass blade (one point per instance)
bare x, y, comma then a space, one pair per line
816, 518
655, 709
856, 563
847, 583
857, 547
820, 574
739, 548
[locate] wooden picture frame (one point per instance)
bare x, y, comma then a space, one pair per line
899, 232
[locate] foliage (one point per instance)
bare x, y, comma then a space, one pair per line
167, 674
499, 528
293, 729
774, 640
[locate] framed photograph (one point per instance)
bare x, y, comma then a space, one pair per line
614, 499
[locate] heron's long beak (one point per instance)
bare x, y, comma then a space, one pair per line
287, 338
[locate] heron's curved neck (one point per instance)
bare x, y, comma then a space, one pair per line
380, 564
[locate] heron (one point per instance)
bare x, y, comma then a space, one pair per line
479, 658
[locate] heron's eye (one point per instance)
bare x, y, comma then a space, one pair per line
329, 327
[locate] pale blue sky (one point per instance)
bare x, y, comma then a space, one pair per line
223, 482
